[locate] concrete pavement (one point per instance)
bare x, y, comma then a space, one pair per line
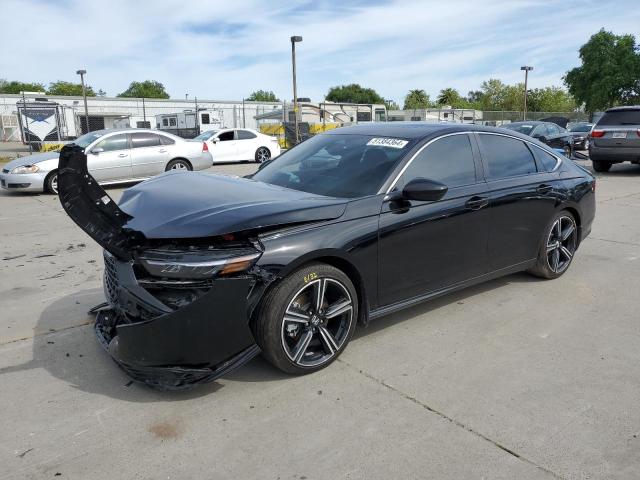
516, 378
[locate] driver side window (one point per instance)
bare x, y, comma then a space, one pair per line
539, 131
225, 136
448, 160
113, 143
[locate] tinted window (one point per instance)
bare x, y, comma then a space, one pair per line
116, 142
226, 136
621, 117
335, 165
506, 157
144, 139
524, 128
166, 140
547, 160
245, 135
585, 127
205, 118
448, 160
165, 122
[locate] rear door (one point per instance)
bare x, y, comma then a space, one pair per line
110, 159
618, 128
148, 155
522, 198
427, 246
246, 144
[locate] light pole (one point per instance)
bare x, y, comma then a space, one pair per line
294, 40
526, 69
84, 95
186, 96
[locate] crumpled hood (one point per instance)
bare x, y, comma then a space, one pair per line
194, 204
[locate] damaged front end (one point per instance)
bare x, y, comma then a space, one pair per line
178, 310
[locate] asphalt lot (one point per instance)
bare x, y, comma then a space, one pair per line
516, 378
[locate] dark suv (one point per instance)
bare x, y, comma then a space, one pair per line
615, 138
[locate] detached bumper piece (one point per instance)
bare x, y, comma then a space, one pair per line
174, 349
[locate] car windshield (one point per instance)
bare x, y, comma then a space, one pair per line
524, 128
206, 135
582, 127
88, 138
336, 165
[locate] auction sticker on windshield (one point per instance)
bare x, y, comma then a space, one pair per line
388, 142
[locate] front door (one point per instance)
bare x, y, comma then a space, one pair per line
225, 149
428, 246
148, 156
110, 159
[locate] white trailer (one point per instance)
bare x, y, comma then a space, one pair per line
184, 123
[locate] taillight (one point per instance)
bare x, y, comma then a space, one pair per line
204, 147
638, 132
597, 133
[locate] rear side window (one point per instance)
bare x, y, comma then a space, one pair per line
506, 157
245, 135
547, 160
166, 140
448, 160
621, 117
144, 139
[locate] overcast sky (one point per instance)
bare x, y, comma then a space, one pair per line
227, 49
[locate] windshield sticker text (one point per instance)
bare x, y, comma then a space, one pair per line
388, 142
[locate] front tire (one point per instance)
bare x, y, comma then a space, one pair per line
306, 321
262, 155
178, 164
568, 151
557, 247
51, 182
600, 166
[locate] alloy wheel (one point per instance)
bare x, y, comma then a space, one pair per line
54, 183
262, 155
179, 166
586, 144
561, 244
316, 322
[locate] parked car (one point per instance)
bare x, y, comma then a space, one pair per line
615, 138
580, 133
240, 145
549, 133
204, 271
113, 156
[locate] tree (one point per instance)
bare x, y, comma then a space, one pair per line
102, 93
609, 74
550, 99
17, 87
263, 96
493, 94
391, 105
416, 99
353, 93
67, 88
451, 98
146, 89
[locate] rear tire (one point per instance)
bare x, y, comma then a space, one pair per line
557, 246
51, 182
299, 334
262, 155
600, 166
178, 164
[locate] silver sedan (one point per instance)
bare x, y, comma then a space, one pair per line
113, 156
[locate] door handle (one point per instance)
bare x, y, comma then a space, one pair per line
122, 155
162, 150
476, 203
544, 188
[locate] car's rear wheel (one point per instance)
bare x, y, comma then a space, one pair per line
307, 320
600, 166
262, 154
51, 183
178, 164
558, 247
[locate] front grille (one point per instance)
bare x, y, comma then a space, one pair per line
110, 279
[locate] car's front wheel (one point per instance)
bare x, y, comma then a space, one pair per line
558, 246
307, 320
600, 166
568, 151
262, 154
51, 183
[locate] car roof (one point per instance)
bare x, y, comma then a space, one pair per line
628, 107
525, 122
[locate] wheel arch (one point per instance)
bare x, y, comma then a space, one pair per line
179, 158
45, 183
576, 214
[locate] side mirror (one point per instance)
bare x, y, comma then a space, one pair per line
424, 190
215, 140
97, 150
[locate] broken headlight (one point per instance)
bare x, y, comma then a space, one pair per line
198, 264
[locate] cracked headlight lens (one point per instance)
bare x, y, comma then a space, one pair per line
26, 169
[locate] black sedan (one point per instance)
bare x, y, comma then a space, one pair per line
204, 271
580, 133
548, 133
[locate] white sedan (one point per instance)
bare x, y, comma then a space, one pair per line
240, 145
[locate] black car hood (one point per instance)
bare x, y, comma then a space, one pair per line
179, 205
194, 204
